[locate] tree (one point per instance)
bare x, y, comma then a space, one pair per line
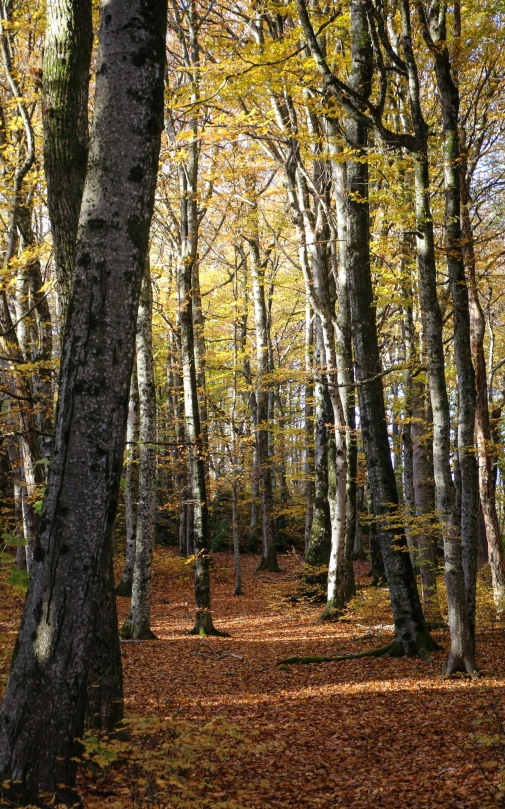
65, 71
137, 625
54, 643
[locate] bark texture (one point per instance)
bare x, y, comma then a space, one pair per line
124, 588
66, 65
137, 624
37, 731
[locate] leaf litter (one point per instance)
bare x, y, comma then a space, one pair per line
218, 723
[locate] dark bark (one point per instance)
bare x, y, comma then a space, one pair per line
412, 636
66, 70
434, 32
53, 650
489, 513
269, 554
124, 588
104, 708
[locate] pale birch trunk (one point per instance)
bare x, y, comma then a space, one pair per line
138, 622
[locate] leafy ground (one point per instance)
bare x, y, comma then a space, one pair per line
243, 732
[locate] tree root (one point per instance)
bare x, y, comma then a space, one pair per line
269, 565
330, 612
394, 649
459, 664
124, 589
205, 632
384, 651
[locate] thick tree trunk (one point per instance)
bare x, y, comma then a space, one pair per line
138, 622
104, 709
53, 651
124, 588
66, 70
412, 636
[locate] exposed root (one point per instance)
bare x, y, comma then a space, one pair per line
383, 651
330, 612
422, 647
458, 664
207, 631
268, 564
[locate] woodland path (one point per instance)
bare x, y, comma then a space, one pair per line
368, 733
362, 733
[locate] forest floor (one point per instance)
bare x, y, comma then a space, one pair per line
244, 733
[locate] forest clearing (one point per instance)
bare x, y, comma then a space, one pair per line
361, 733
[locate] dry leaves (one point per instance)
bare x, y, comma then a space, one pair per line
361, 733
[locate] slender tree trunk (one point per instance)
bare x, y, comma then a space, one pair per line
201, 528
124, 588
460, 545
346, 371
138, 622
424, 496
318, 552
461, 655
496, 553
37, 731
309, 460
41, 348
269, 554
66, 70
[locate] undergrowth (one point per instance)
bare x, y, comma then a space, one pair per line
164, 762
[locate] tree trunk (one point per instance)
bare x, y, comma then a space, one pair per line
124, 588
201, 528
66, 71
309, 460
53, 651
482, 421
461, 655
269, 554
412, 636
346, 371
42, 343
138, 622
104, 709
318, 552
460, 546
424, 497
